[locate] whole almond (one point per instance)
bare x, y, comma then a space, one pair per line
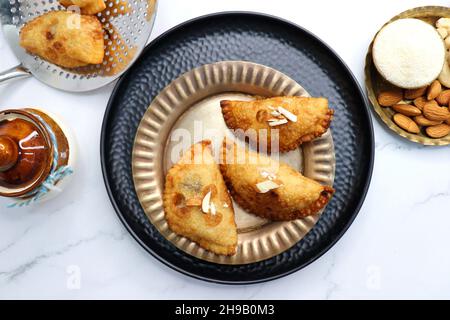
406, 123
434, 90
412, 94
443, 98
407, 110
422, 121
436, 113
422, 101
439, 131
390, 97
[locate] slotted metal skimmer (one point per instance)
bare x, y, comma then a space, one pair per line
127, 26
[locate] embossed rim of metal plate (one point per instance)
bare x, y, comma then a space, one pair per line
164, 112
374, 80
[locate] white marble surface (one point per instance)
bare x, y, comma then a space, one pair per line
75, 247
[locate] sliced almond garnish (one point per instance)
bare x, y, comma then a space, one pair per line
289, 115
275, 113
268, 175
212, 208
277, 122
205, 202
266, 186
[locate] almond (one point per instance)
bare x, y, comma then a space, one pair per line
412, 94
434, 90
287, 114
422, 101
444, 77
407, 109
406, 123
443, 98
266, 186
447, 42
443, 23
439, 131
442, 32
277, 122
433, 112
422, 121
390, 97
206, 203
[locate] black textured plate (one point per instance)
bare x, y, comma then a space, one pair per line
269, 41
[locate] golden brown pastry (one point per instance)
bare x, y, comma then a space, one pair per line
197, 204
86, 6
268, 188
64, 38
298, 119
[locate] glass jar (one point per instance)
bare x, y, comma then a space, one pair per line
36, 156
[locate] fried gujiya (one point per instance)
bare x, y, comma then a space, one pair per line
64, 38
269, 188
86, 6
197, 204
295, 119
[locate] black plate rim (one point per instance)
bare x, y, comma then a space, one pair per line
365, 109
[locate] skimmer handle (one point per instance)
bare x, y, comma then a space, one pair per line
17, 72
